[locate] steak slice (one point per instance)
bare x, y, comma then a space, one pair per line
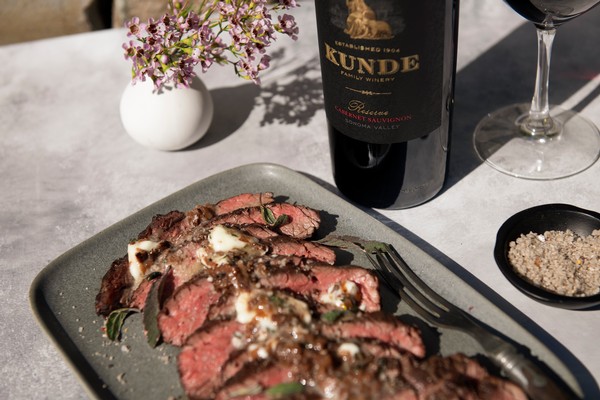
285, 245
301, 221
187, 310
456, 376
212, 294
243, 200
252, 381
202, 358
173, 227
114, 287
328, 284
378, 326
164, 226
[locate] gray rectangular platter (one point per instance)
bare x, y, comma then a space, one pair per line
62, 295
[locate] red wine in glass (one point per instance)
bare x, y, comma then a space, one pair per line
535, 140
550, 13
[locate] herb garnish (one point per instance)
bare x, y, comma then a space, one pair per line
284, 389
269, 217
115, 321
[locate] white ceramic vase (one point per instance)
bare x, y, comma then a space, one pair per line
169, 120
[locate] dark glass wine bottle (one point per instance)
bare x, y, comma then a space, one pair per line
388, 70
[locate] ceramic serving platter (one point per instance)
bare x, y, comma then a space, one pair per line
62, 295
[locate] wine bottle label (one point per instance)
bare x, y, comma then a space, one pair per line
382, 67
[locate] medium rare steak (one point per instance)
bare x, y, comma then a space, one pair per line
378, 326
201, 360
193, 302
253, 378
255, 306
187, 309
347, 287
301, 222
243, 200
192, 259
288, 246
117, 285
456, 376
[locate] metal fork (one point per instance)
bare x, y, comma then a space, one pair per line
440, 312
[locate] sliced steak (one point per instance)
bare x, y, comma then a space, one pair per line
187, 310
115, 287
330, 285
285, 245
173, 227
378, 326
163, 226
243, 200
301, 221
258, 231
212, 296
254, 379
456, 376
201, 360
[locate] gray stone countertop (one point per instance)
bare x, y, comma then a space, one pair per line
68, 169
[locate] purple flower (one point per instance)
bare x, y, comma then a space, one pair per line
288, 26
235, 32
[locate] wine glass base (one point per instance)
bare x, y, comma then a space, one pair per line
499, 142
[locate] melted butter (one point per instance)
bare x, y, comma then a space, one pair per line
342, 295
261, 308
223, 241
137, 253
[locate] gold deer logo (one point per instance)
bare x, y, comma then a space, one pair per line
362, 23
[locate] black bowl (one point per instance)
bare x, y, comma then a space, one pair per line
540, 219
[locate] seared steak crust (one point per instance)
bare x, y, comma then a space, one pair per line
114, 287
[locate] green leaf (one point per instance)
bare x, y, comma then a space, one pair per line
152, 308
115, 320
332, 316
253, 390
153, 275
284, 389
278, 301
269, 217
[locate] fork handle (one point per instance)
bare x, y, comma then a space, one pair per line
536, 383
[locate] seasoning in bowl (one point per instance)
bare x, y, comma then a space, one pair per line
560, 262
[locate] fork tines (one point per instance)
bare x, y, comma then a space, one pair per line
416, 293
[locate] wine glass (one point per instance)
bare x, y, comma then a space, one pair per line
536, 141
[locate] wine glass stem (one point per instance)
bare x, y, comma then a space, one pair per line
538, 123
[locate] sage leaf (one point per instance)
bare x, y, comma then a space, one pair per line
332, 316
152, 308
153, 275
269, 217
284, 389
115, 321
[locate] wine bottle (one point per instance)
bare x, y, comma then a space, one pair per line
388, 70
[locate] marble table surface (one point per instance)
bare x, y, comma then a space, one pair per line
68, 169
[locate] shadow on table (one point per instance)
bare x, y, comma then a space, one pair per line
505, 74
584, 378
232, 106
293, 100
